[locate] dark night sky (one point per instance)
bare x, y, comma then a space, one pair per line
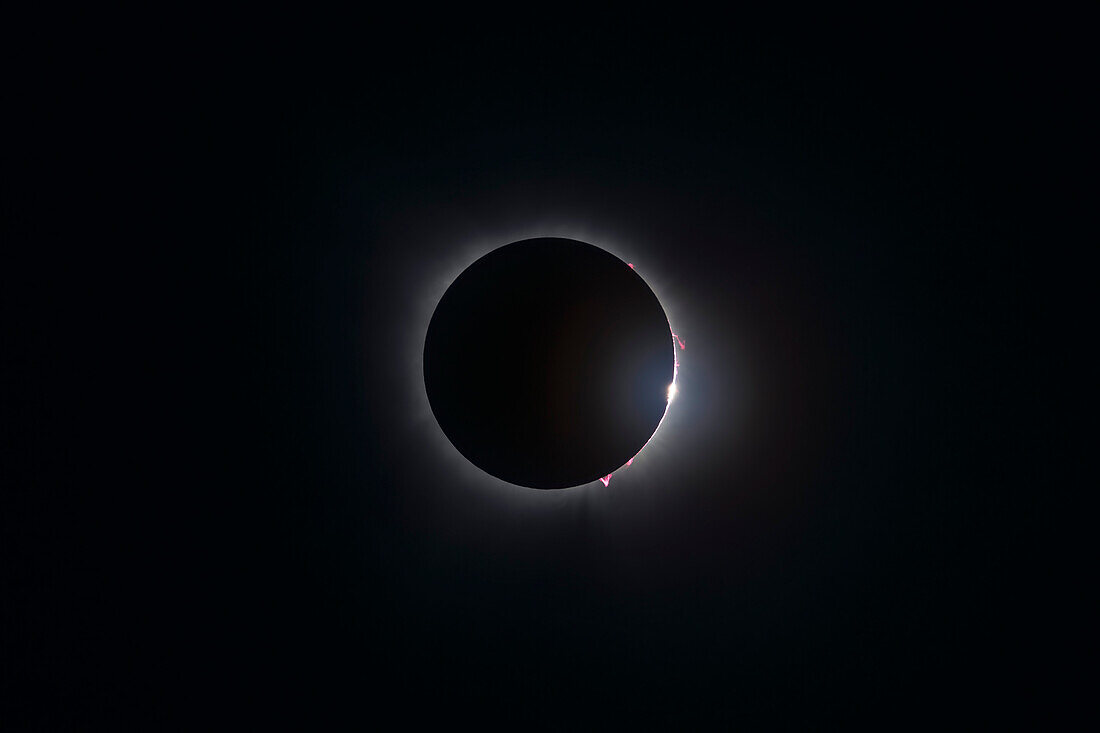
830, 526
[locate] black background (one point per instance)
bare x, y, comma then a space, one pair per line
836, 526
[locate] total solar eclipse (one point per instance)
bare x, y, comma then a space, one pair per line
549, 363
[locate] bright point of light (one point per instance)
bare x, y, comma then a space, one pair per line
671, 391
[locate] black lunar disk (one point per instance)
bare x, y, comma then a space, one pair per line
548, 363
